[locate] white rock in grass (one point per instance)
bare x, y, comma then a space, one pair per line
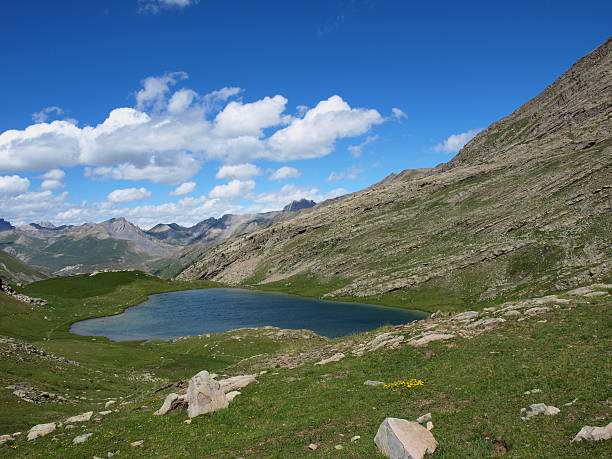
232, 395
467, 315
236, 382
425, 340
402, 439
41, 430
172, 402
590, 433
109, 403
373, 383
426, 417
5, 438
333, 358
80, 418
536, 311
81, 438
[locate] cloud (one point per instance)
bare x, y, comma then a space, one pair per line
351, 173
155, 89
238, 119
54, 174
356, 149
277, 199
128, 195
43, 115
51, 185
232, 191
456, 141
314, 135
185, 188
239, 171
284, 173
13, 185
168, 136
32, 206
398, 114
155, 6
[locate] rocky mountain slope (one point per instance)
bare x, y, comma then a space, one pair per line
523, 207
15, 271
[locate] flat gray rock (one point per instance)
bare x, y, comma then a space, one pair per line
81, 438
467, 315
373, 383
402, 439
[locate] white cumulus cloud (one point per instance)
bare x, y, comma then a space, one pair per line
398, 114
357, 149
456, 141
13, 185
52, 185
128, 195
285, 172
238, 171
232, 191
185, 188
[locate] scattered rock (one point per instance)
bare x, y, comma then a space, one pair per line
425, 340
104, 413
593, 294
532, 391
204, 395
109, 403
333, 358
539, 408
338, 447
355, 438
137, 443
590, 433
426, 417
236, 382
570, 403
580, 291
80, 418
467, 315
5, 438
512, 312
232, 395
172, 402
399, 438
187, 421
81, 438
536, 311
40, 430
492, 322
313, 446
373, 383
429, 425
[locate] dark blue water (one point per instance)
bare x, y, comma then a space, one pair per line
217, 310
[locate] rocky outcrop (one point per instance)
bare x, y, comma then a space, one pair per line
6, 288
402, 439
31, 394
172, 402
18, 350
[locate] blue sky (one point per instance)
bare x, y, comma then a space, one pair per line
178, 110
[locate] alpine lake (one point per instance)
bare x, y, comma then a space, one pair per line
216, 310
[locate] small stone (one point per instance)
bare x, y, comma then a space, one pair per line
338, 447
80, 418
313, 446
333, 358
467, 315
81, 438
552, 411
429, 425
232, 395
187, 421
137, 443
109, 403
570, 403
69, 426
104, 413
5, 438
590, 433
373, 383
511, 313
355, 438
536, 311
426, 417
172, 402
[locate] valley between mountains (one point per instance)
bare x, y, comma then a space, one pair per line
507, 247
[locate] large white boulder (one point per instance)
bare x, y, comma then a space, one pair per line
402, 439
590, 433
204, 395
80, 418
172, 402
236, 382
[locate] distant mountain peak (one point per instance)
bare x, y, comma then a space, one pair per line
298, 205
5, 225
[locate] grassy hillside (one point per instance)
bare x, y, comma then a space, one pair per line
524, 207
474, 384
15, 271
